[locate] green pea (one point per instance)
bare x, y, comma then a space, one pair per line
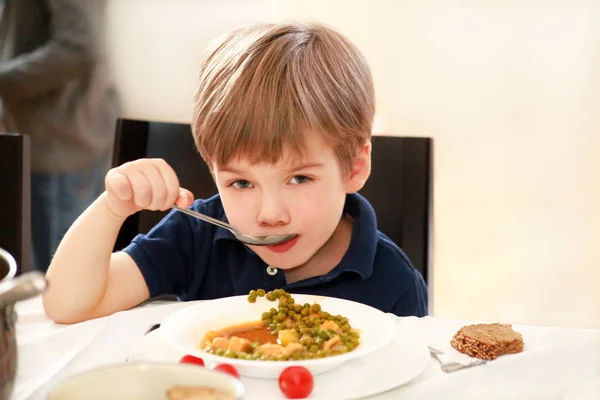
315, 308
251, 299
304, 312
291, 314
220, 352
260, 292
324, 335
230, 354
271, 296
283, 309
273, 311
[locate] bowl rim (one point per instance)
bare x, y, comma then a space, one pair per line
338, 358
239, 386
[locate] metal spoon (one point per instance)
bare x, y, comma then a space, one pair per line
251, 240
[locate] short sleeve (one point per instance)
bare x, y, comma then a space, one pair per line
165, 255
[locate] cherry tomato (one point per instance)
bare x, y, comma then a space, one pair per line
189, 359
228, 369
296, 382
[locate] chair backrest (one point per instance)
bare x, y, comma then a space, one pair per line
399, 187
15, 204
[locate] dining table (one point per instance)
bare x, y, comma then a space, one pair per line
556, 362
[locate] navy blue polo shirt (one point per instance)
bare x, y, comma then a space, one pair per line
194, 260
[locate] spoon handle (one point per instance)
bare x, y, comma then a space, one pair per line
206, 218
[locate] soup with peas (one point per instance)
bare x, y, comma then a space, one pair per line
288, 331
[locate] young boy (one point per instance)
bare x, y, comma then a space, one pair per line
283, 118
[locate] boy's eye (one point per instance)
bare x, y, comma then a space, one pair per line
242, 184
299, 179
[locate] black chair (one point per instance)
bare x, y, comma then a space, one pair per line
399, 187
15, 203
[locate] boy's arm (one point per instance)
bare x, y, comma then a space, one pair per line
86, 280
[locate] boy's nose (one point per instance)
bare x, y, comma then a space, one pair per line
272, 212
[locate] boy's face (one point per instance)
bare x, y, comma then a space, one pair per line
303, 196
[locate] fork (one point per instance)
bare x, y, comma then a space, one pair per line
449, 365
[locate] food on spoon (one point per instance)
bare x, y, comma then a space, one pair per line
487, 341
289, 332
197, 393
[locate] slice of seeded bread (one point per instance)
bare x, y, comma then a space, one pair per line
487, 341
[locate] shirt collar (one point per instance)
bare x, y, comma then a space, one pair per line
360, 255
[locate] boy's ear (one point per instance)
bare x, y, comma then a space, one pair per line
361, 169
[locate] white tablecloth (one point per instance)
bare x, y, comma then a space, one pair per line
557, 363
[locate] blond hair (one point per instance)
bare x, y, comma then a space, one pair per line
269, 86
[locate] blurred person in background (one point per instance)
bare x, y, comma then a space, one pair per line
56, 87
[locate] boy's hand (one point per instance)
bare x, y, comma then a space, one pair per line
146, 184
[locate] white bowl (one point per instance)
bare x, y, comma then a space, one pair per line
145, 381
186, 328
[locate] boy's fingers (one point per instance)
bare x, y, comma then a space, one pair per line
185, 198
171, 184
158, 189
142, 190
119, 185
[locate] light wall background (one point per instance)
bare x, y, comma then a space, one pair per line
509, 90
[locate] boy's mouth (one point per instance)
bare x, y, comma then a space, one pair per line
285, 246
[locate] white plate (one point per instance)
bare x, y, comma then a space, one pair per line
186, 328
143, 381
398, 363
